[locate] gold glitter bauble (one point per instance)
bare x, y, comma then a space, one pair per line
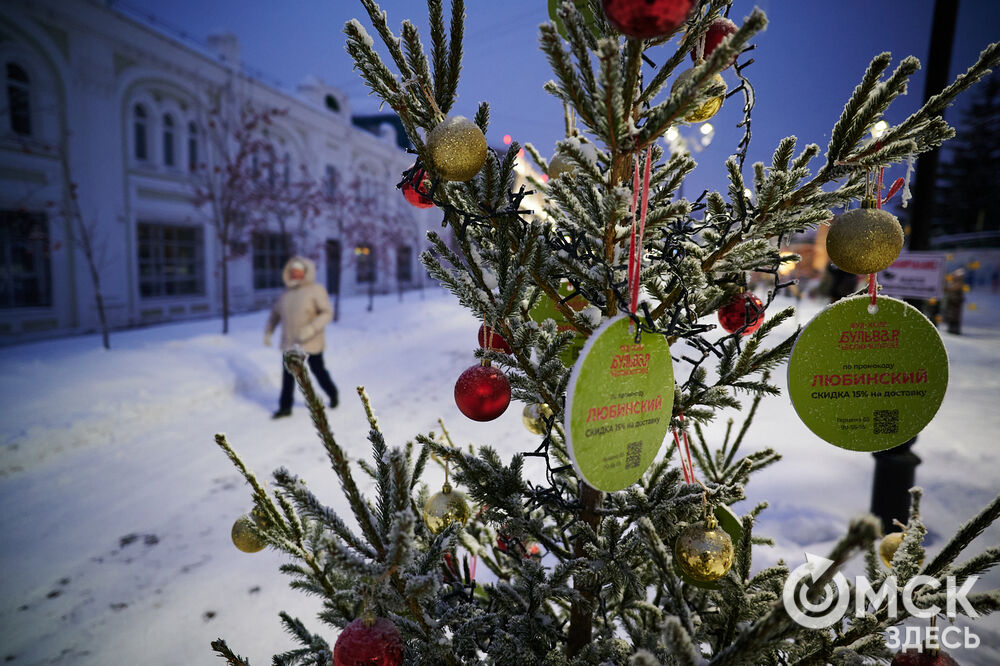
560, 165
888, 547
457, 148
864, 240
444, 508
243, 536
706, 109
704, 551
534, 417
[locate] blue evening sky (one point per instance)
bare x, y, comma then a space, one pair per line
807, 61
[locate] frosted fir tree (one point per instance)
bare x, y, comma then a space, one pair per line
579, 576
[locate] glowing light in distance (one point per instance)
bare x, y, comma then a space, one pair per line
706, 128
879, 128
507, 139
672, 134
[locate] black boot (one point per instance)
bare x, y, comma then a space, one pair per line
333, 400
281, 413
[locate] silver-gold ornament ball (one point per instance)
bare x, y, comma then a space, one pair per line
704, 551
534, 416
559, 165
864, 240
244, 537
709, 106
444, 508
457, 149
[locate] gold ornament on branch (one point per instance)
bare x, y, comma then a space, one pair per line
534, 416
457, 149
864, 240
244, 537
889, 545
444, 508
704, 551
707, 108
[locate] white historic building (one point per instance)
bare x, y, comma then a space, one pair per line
101, 100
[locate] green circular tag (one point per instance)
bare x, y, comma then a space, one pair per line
619, 403
868, 382
545, 308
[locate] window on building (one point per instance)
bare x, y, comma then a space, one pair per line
25, 269
192, 146
140, 127
404, 263
271, 250
171, 260
286, 167
331, 103
331, 180
365, 259
168, 140
18, 99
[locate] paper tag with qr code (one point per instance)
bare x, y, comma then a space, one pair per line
618, 405
868, 382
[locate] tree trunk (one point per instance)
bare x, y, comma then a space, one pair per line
371, 295
581, 621
99, 300
225, 296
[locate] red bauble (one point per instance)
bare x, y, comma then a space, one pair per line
746, 312
645, 19
414, 190
497, 341
719, 30
908, 658
376, 643
482, 393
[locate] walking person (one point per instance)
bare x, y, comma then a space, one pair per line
303, 310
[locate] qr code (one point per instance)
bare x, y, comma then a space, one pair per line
885, 421
633, 455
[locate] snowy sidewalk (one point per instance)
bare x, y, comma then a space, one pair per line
117, 505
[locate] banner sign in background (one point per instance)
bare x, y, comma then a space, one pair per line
914, 275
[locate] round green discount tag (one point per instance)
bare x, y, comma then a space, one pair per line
619, 402
545, 308
868, 382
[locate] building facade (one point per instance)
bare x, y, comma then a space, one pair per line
101, 108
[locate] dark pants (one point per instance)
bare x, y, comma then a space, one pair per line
315, 362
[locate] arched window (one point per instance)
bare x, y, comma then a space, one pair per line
168, 139
140, 127
331, 103
192, 146
19, 99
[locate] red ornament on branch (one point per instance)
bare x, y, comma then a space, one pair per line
926, 658
369, 641
489, 338
482, 393
745, 312
415, 188
719, 30
645, 19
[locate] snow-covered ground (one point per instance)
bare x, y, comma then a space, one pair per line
116, 504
